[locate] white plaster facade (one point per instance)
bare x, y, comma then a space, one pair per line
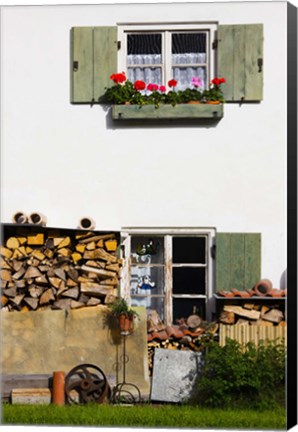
68, 161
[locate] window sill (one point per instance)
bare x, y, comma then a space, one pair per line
180, 111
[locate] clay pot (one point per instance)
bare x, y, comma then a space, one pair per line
194, 102
213, 102
263, 287
125, 324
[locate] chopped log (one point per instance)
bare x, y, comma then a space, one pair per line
227, 317
242, 321
193, 321
19, 273
73, 274
17, 265
274, 315
238, 310
5, 265
32, 302
111, 245
80, 248
41, 280
12, 243
100, 243
76, 256
62, 303
282, 324
62, 287
66, 252
55, 282
17, 299
43, 268
94, 289
76, 304
32, 272
22, 239
96, 238
35, 291
110, 298
93, 301
5, 252
112, 281
71, 283
66, 241
20, 283
4, 300
249, 306
100, 272
33, 262
46, 297
113, 267
91, 246
38, 254
264, 309
35, 239
96, 264
60, 273
48, 253
71, 293
5, 275
100, 254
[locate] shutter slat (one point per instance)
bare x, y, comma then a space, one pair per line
82, 65
239, 51
238, 260
94, 59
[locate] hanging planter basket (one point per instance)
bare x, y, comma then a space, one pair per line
126, 324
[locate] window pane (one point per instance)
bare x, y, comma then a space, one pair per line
188, 43
150, 303
183, 308
147, 250
189, 250
147, 280
185, 75
187, 280
144, 43
148, 75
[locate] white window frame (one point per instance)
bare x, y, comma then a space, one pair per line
167, 29
168, 233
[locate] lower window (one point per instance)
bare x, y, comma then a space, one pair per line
169, 271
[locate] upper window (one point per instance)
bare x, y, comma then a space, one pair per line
156, 55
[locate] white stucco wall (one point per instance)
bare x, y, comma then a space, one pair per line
69, 161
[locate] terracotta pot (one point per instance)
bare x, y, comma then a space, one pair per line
194, 102
213, 102
125, 324
263, 287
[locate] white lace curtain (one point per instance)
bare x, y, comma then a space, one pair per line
152, 74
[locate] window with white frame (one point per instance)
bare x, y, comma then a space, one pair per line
169, 271
156, 54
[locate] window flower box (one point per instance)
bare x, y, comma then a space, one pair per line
167, 111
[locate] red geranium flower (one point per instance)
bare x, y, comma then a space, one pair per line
152, 87
139, 85
172, 83
218, 81
162, 88
118, 78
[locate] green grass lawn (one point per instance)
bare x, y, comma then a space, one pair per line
156, 416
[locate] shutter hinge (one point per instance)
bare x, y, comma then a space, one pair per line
260, 64
215, 44
118, 45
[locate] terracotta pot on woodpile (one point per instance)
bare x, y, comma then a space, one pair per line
263, 287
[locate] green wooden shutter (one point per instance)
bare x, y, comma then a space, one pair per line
238, 260
93, 60
240, 61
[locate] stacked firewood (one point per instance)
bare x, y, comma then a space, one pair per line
253, 314
187, 335
47, 270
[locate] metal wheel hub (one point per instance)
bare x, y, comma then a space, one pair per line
86, 383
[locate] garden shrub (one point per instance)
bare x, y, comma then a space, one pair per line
242, 376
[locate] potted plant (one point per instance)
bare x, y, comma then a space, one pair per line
123, 314
215, 94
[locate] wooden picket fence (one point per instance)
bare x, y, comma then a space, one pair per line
255, 334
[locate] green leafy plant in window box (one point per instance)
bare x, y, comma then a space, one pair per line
124, 92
